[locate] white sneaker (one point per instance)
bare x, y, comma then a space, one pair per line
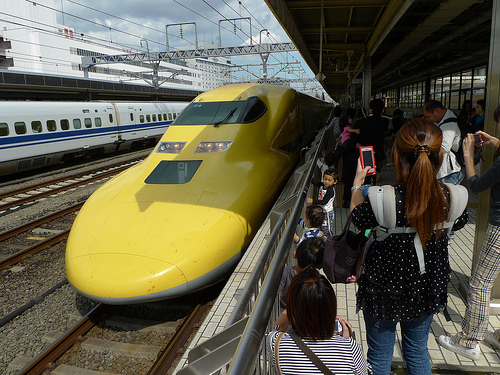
490, 339
450, 343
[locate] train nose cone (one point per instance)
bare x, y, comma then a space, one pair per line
124, 252
119, 278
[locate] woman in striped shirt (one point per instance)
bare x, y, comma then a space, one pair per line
311, 311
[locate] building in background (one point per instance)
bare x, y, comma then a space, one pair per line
34, 42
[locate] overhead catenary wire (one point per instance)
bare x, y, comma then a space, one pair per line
93, 22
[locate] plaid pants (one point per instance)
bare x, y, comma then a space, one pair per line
484, 273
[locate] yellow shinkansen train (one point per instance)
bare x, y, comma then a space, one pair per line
180, 221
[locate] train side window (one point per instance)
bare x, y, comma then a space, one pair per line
254, 110
20, 127
154, 117
4, 129
175, 115
170, 116
141, 119
159, 116
36, 126
51, 125
164, 117
65, 124
77, 123
97, 122
111, 118
88, 122
148, 118
131, 116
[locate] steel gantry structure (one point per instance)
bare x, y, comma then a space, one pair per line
263, 49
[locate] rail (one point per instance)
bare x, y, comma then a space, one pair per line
242, 342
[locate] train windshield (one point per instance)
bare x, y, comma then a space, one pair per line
173, 172
218, 113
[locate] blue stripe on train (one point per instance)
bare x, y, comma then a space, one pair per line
68, 135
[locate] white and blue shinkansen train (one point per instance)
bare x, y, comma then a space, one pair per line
38, 134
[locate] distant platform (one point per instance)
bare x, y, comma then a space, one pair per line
33, 86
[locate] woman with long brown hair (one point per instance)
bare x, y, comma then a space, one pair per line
406, 270
487, 265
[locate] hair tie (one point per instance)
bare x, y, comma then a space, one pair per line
422, 148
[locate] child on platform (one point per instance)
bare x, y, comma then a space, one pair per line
326, 197
314, 217
309, 252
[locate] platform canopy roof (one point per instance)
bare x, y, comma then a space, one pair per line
407, 40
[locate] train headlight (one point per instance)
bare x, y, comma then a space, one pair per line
170, 147
206, 147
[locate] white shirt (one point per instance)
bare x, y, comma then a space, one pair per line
451, 140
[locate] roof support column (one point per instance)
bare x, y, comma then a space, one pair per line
492, 101
367, 82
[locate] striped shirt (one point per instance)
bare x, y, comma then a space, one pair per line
342, 355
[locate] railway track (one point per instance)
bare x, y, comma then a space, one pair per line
24, 195
59, 356
30, 250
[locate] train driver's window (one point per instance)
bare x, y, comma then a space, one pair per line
51, 125
254, 110
154, 117
148, 118
141, 119
170, 116
77, 123
131, 116
97, 122
20, 127
36, 126
88, 122
65, 124
4, 129
111, 118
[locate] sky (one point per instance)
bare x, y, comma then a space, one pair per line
126, 22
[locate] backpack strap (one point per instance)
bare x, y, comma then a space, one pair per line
383, 202
458, 201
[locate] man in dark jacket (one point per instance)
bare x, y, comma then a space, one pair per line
372, 131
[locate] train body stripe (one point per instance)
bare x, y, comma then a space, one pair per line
72, 135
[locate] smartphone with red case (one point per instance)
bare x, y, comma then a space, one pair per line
368, 159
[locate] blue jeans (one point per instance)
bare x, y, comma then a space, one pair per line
454, 178
381, 337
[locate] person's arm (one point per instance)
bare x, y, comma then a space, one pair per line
449, 131
489, 140
282, 321
346, 326
489, 178
468, 148
359, 179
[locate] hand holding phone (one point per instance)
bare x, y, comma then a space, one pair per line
477, 138
367, 157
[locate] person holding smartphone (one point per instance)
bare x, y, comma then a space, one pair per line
487, 266
392, 289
